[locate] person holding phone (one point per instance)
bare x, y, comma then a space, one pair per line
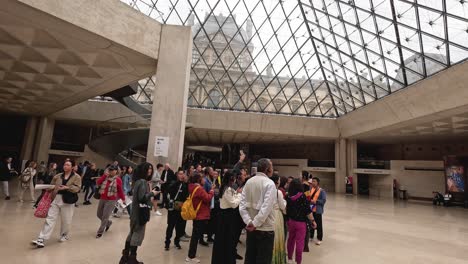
110, 191
141, 207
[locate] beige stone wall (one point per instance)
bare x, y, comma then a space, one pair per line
381, 186
289, 167
327, 180
325, 151
91, 156
419, 183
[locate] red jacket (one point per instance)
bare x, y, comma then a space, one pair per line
201, 196
120, 194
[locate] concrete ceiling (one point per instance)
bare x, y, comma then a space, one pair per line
434, 129
47, 63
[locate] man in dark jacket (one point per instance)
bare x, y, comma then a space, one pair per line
168, 178
177, 193
6, 173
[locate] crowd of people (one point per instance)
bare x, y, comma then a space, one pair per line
279, 215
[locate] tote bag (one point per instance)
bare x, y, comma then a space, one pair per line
43, 207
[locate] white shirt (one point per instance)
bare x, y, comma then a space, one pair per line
281, 203
230, 199
257, 203
156, 179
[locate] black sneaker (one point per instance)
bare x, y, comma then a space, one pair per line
178, 246
7, 198
98, 235
166, 247
108, 226
203, 243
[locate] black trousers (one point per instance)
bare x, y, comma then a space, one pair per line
259, 247
174, 221
197, 234
240, 226
224, 247
87, 188
212, 224
318, 220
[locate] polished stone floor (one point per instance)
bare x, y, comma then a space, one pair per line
357, 230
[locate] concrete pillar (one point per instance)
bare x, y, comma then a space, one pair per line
170, 93
345, 163
30, 133
340, 164
351, 162
44, 139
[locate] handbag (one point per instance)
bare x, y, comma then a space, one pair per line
143, 213
44, 205
69, 197
97, 194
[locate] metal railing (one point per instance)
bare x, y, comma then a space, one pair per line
374, 164
123, 123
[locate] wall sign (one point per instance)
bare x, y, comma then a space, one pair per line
372, 171
161, 146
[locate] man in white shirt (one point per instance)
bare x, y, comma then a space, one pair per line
256, 208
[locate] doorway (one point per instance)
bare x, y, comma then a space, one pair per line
363, 184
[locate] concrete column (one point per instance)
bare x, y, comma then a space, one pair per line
340, 164
30, 133
44, 139
171, 92
351, 162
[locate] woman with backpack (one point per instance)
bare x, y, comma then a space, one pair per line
141, 208
298, 211
201, 202
224, 247
27, 181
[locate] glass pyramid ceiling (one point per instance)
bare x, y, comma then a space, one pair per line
321, 58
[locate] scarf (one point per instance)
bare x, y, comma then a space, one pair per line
111, 189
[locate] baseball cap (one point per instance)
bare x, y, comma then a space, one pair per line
112, 167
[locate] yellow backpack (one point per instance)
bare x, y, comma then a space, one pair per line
188, 212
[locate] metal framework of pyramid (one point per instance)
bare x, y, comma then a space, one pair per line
320, 58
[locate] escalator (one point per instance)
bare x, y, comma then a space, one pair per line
114, 138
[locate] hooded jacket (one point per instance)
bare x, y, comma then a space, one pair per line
298, 207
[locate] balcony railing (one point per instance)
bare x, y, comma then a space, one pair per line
374, 164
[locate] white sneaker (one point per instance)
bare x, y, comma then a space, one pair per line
63, 238
38, 243
318, 242
193, 260
158, 213
290, 261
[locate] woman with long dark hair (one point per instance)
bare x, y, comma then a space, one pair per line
279, 249
89, 182
141, 208
224, 248
298, 211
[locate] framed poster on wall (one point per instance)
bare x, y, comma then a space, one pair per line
456, 178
